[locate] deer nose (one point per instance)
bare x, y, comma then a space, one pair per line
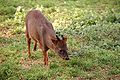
67, 58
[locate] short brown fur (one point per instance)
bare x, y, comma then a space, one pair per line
41, 31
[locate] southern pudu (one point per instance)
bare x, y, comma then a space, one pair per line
42, 32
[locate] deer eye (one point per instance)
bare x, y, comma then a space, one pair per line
61, 50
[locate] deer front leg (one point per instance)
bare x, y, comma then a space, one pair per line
45, 54
45, 57
35, 45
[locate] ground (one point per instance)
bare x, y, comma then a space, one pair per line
93, 31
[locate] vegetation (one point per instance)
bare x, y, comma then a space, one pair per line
93, 30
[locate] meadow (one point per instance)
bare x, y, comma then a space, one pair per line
93, 31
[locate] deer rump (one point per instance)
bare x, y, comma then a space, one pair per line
39, 29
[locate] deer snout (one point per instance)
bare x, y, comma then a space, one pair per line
67, 58
63, 54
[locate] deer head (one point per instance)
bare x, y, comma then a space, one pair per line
61, 47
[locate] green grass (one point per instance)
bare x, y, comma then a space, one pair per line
93, 30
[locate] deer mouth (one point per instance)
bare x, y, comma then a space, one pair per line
66, 59
63, 54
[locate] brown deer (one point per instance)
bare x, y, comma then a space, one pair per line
41, 30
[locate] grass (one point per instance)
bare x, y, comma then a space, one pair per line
92, 27
91, 64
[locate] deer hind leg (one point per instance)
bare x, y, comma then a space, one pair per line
28, 43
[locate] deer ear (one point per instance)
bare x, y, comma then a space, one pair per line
54, 41
64, 38
57, 37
